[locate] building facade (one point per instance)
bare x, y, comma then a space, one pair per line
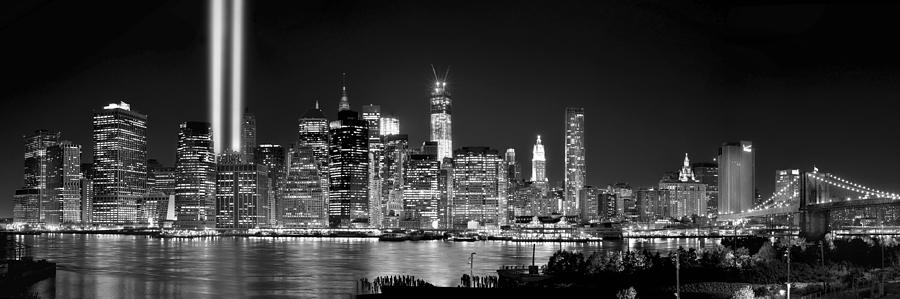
195, 176
273, 157
575, 155
241, 195
120, 164
479, 188
441, 122
737, 183
348, 168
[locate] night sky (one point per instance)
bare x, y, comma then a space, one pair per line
807, 83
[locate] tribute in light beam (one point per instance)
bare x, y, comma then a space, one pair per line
216, 68
237, 71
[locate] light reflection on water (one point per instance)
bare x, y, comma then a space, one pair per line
119, 266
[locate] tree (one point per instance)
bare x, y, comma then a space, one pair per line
745, 292
628, 293
566, 263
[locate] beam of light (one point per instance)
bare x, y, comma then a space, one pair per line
237, 71
216, 56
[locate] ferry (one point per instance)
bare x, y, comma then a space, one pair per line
464, 238
393, 237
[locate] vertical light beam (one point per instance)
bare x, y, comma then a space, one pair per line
237, 72
216, 56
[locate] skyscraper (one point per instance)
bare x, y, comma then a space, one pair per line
348, 168
575, 164
538, 162
687, 196
736, 177
241, 194
195, 176
161, 178
273, 157
305, 194
787, 188
396, 153
64, 183
305, 201
420, 191
372, 115
32, 202
440, 103
479, 188
708, 173
248, 137
120, 163
513, 171
390, 125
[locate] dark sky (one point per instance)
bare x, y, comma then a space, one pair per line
808, 83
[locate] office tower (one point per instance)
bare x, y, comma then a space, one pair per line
624, 201
396, 153
241, 194
195, 176
273, 157
305, 192
371, 114
120, 164
589, 207
421, 192
530, 200
445, 187
440, 104
608, 207
787, 186
87, 199
64, 184
348, 168
36, 204
248, 137
538, 162
390, 125
575, 164
161, 178
430, 148
479, 188
708, 173
153, 208
513, 171
687, 196
736, 177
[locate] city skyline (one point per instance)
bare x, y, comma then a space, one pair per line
400, 95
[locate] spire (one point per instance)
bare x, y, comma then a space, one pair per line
539, 139
687, 162
345, 94
317, 104
686, 174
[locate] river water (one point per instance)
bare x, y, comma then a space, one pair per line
124, 266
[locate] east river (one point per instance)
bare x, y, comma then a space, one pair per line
125, 266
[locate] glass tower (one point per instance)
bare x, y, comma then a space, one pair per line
348, 168
736, 177
195, 176
120, 163
575, 166
479, 188
440, 103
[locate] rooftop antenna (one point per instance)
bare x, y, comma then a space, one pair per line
446, 74
434, 72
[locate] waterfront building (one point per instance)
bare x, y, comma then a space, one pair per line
420, 191
195, 176
348, 167
154, 208
390, 125
87, 199
273, 157
530, 199
625, 208
608, 207
652, 204
589, 208
441, 124
27, 206
479, 188
687, 196
161, 178
371, 114
396, 154
305, 190
575, 155
242, 191
34, 205
708, 174
787, 186
737, 182
120, 164
64, 183
248, 137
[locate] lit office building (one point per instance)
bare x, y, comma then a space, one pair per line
348, 168
396, 153
589, 207
390, 125
420, 191
273, 157
64, 183
34, 198
371, 114
154, 208
445, 187
575, 156
195, 176
305, 193
737, 181
241, 194
440, 109
120, 164
248, 137
708, 173
787, 186
479, 188
687, 196
513, 170
649, 205
160, 178
87, 200
538, 163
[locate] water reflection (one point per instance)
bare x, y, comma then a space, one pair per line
116, 266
